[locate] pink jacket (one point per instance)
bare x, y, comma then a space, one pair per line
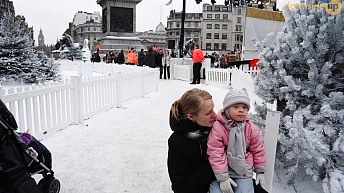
218, 142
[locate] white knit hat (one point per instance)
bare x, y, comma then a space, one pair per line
235, 96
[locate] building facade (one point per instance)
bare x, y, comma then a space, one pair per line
222, 28
192, 28
155, 38
6, 5
87, 26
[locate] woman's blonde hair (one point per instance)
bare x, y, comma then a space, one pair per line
189, 103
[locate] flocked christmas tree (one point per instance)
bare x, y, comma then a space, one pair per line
302, 69
17, 59
48, 68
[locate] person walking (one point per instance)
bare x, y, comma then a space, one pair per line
191, 119
158, 61
132, 57
149, 58
167, 62
121, 57
126, 57
235, 146
141, 57
222, 61
197, 59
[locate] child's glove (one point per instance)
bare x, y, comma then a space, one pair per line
226, 186
261, 180
32, 151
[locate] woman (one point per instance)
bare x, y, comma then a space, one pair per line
191, 118
166, 63
126, 57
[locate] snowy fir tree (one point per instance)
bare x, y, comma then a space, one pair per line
17, 59
16, 56
302, 69
48, 68
69, 50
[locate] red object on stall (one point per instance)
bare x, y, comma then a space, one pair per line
253, 65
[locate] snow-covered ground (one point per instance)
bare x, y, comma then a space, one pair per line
125, 149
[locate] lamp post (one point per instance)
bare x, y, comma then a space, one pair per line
181, 41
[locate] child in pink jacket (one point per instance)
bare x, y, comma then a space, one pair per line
235, 146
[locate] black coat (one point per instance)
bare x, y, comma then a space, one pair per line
120, 58
149, 60
158, 59
188, 164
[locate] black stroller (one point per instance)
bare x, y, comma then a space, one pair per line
17, 164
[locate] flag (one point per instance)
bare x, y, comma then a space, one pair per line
169, 3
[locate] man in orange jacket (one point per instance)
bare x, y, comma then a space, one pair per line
132, 58
197, 59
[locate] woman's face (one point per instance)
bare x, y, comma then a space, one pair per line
206, 115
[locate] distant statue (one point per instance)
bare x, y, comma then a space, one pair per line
188, 48
86, 53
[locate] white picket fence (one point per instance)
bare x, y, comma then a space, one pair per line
53, 106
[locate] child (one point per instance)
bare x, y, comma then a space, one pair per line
235, 146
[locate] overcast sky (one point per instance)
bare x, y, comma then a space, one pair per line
52, 16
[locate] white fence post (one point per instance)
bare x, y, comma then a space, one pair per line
142, 73
118, 89
76, 80
270, 143
228, 83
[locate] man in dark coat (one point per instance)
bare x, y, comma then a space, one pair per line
141, 57
120, 58
158, 61
149, 58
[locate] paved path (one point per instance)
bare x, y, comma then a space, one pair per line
123, 149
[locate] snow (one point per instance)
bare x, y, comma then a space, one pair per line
125, 149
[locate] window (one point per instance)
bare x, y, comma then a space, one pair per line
94, 38
94, 29
216, 46
217, 26
196, 24
224, 9
96, 18
217, 16
223, 46
208, 36
238, 37
209, 16
209, 26
90, 18
209, 8
188, 33
89, 29
86, 17
178, 24
171, 33
216, 35
208, 46
188, 24
224, 36
225, 16
217, 8
224, 26
239, 20
196, 33
239, 11
238, 28
177, 33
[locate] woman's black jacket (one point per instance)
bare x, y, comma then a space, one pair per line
188, 165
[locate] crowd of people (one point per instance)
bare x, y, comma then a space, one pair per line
223, 60
152, 57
